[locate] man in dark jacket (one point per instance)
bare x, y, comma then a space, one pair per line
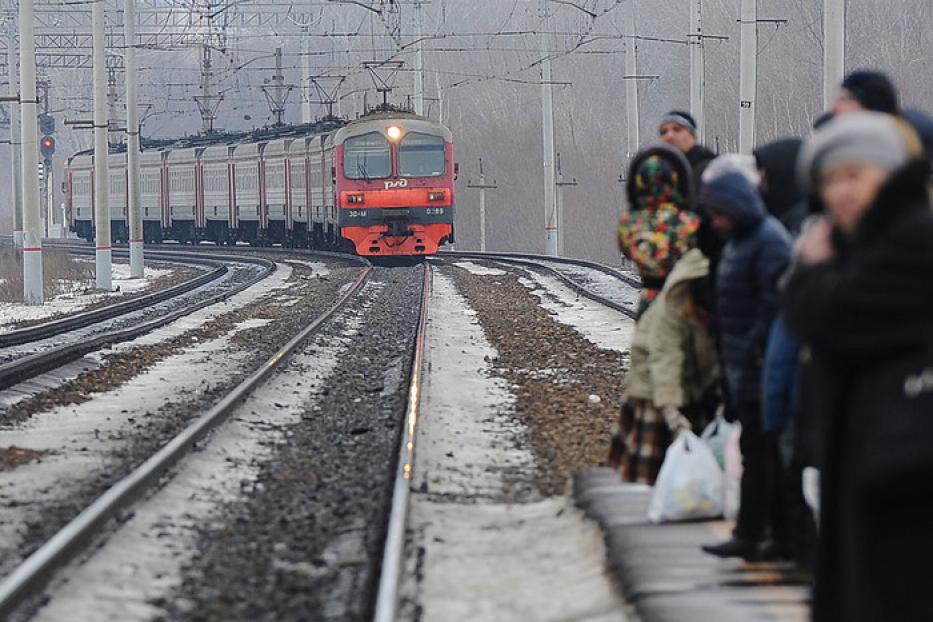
679, 129
777, 162
756, 254
866, 90
861, 298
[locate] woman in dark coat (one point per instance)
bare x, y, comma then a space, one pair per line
862, 300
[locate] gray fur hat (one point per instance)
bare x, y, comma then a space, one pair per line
866, 137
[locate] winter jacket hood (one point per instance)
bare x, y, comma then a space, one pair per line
733, 196
691, 266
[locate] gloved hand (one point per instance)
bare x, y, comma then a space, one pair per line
675, 420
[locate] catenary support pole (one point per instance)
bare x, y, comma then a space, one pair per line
16, 152
482, 186
834, 48
419, 59
748, 75
561, 184
137, 259
697, 68
305, 81
32, 209
632, 119
551, 231
101, 164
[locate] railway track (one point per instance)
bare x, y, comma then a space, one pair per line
602, 284
30, 577
33, 351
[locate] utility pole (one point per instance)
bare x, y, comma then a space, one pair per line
16, 151
834, 48
697, 67
561, 184
101, 164
482, 186
748, 75
552, 233
419, 59
32, 210
305, 81
134, 221
113, 101
631, 81
277, 93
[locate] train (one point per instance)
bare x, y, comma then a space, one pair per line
382, 185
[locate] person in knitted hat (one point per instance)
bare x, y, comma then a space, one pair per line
861, 300
679, 130
660, 226
866, 90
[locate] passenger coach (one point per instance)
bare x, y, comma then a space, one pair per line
381, 185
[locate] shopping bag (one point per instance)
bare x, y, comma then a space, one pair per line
732, 480
715, 434
689, 485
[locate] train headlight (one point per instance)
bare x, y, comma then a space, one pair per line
394, 133
355, 199
436, 196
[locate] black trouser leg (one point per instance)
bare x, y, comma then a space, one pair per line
755, 505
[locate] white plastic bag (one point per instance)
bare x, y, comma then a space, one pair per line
689, 485
716, 434
732, 481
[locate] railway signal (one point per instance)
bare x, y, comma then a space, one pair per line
47, 147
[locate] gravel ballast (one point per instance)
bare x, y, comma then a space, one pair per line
306, 543
567, 389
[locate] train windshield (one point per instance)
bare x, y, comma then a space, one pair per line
367, 157
421, 155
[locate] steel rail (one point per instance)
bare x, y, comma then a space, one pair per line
21, 369
33, 574
533, 261
585, 263
80, 320
386, 608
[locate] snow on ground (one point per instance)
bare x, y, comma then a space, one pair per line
478, 270
318, 268
605, 327
485, 554
79, 296
141, 562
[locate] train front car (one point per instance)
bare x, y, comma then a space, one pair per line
394, 175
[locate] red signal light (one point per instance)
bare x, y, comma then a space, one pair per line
47, 142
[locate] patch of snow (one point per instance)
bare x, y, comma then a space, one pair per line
509, 558
478, 270
318, 268
606, 328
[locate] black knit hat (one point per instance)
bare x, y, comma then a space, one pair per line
873, 90
681, 118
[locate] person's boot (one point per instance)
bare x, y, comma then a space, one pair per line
736, 547
774, 551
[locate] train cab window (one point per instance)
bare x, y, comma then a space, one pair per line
367, 157
421, 155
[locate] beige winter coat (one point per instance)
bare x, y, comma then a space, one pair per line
674, 359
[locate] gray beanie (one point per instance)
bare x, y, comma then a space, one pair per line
865, 137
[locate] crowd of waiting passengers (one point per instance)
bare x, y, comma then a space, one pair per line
792, 292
